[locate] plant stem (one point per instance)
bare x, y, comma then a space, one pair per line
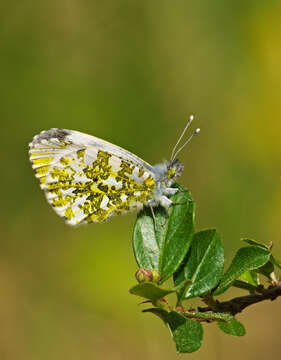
207, 316
238, 304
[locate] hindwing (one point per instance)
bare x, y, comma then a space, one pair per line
87, 179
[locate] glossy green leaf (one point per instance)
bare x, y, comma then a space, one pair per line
163, 245
254, 243
250, 277
162, 314
146, 248
266, 269
246, 258
244, 285
269, 267
273, 260
204, 264
150, 291
232, 327
187, 334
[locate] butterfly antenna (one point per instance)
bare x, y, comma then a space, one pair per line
197, 131
191, 117
176, 151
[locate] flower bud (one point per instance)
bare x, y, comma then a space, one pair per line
143, 275
155, 276
148, 275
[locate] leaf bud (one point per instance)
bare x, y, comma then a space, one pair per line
143, 275
147, 275
155, 276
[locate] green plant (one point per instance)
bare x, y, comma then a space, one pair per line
168, 246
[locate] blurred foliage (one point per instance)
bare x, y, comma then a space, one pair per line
131, 72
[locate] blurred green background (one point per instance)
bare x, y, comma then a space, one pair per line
131, 72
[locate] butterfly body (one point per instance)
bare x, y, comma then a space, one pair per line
87, 179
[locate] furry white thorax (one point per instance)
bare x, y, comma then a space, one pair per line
165, 175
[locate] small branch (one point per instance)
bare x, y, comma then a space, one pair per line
209, 300
238, 304
206, 316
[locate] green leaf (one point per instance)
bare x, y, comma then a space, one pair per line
163, 245
272, 259
150, 291
266, 269
204, 265
269, 268
162, 314
146, 248
187, 334
232, 327
246, 258
254, 243
244, 285
250, 277
275, 261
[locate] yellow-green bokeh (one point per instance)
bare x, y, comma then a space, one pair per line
131, 72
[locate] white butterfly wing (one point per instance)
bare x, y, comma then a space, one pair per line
88, 179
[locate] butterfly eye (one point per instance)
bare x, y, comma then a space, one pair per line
171, 173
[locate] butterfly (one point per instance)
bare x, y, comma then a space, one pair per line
87, 179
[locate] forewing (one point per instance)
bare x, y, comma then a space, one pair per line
87, 179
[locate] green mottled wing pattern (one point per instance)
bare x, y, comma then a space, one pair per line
87, 179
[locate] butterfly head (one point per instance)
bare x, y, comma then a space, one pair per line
167, 172
174, 170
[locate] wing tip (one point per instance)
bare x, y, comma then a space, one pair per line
45, 135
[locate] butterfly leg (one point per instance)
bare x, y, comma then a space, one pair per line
170, 191
153, 215
165, 202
